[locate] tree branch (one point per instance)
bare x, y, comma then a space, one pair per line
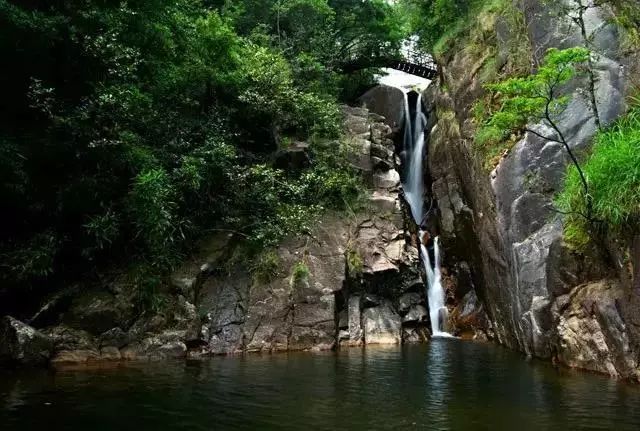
541, 136
583, 179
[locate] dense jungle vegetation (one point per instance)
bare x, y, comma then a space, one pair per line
129, 128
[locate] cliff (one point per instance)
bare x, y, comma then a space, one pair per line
496, 212
353, 280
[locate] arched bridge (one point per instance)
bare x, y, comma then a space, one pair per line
412, 62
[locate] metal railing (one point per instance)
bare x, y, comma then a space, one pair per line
414, 62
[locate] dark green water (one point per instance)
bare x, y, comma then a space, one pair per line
447, 384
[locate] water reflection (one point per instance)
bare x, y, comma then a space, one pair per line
445, 385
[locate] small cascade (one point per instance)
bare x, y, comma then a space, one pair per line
435, 292
414, 194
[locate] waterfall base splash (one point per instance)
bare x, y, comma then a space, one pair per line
435, 292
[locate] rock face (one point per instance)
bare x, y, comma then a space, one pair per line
386, 101
539, 296
352, 281
356, 268
22, 344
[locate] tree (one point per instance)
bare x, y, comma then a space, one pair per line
129, 128
432, 19
538, 98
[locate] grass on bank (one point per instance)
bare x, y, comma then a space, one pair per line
613, 173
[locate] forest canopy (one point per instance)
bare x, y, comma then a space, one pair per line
130, 127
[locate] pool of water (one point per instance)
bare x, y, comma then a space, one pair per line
447, 384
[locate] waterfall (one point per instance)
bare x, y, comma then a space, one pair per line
414, 148
414, 194
435, 292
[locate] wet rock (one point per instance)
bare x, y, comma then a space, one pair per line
132, 352
415, 334
75, 357
147, 324
356, 333
369, 300
385, 100
469, 319
382, 152
110, 353
409, 300
66, 338
153, 349
227, 339
382, 164
98, 311
53, 309
592, 334
416, 314
293, 158
382, 325
171, 350
22, 344
343, 319
225, 301
311, 338
114, 337
386, 180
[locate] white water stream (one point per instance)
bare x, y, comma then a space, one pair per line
414, 194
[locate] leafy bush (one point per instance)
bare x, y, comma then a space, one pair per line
35, 259
517, 103
104, 230
266, 266
613, 173
149, 284
355, 263
300, 272
153, 206
158, 123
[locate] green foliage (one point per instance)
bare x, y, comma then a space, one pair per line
533, 97
149, 289
36, 258
613, 172
628, 17
272, 100
266, 266
355, 263
517, 102
129, 128
437, 20
153, 206
300, 272
104, 231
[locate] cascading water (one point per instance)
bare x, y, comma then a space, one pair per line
435, 292
414, 194
413, 148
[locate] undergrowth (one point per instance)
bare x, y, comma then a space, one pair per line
613, 173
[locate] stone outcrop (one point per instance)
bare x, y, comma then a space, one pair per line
353, 281
22, 344
386, 101
347, 261
539, 296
